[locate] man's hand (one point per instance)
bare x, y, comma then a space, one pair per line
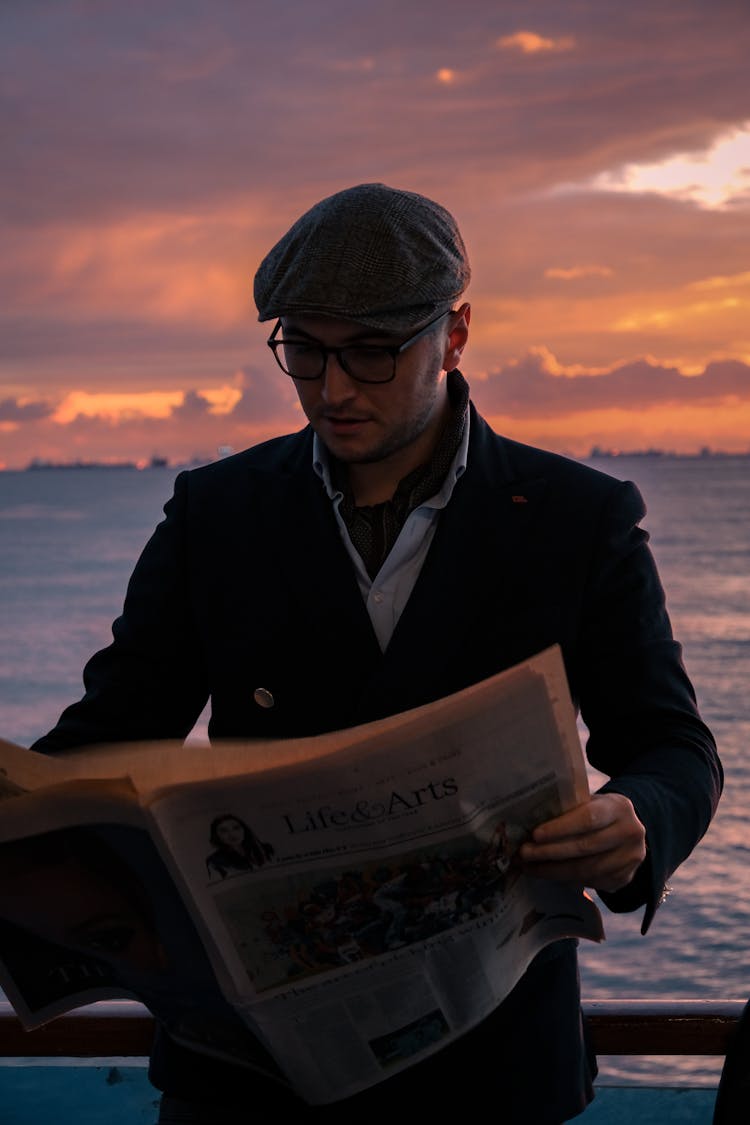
599, 844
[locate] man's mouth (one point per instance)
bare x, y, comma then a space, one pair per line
343, 423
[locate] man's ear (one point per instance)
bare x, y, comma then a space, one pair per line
457, 337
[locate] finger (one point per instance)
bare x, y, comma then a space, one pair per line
598, 812
603, 841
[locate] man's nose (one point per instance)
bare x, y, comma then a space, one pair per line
336, 385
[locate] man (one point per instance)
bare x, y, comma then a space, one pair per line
391, 553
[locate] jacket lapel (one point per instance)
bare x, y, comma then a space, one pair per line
313, 562
480, 548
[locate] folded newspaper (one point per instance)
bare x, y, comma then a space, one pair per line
329, 910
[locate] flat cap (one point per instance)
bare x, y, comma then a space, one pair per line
375, 254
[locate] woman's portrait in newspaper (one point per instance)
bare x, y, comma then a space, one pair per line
236, 847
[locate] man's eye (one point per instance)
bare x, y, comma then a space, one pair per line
294, 349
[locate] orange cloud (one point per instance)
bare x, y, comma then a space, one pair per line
529, 43
221, 400
116, 407
179, 267
598, 321
575, 272
708, 283
550, 365
667, 318
126, 406
364, 65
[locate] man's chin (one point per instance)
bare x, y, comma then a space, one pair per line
350, 450
354, 456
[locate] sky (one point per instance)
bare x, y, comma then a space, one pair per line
595, 154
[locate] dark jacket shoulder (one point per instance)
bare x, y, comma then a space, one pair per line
573, 486
520, 461
284, 455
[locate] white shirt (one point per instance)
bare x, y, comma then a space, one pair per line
387, 593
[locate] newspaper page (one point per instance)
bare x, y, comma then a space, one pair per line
22, 772
363, 909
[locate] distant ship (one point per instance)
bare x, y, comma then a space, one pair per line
38, 464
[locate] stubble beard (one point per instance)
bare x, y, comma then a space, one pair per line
406, 433
391, 444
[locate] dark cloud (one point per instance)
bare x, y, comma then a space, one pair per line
529, 388
267, 396
194, 405
114, 106
264, 399
13, 411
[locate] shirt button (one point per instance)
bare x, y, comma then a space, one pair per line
377, 598
263, 697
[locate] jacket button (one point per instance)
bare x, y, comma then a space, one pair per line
263, 697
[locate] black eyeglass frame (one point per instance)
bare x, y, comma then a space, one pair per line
393, 350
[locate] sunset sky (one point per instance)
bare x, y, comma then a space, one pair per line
595, 154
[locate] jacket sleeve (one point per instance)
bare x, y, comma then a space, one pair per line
639, 705
150, 681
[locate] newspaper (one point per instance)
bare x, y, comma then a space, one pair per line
356, 898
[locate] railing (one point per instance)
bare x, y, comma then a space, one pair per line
123, 1028
662, 1027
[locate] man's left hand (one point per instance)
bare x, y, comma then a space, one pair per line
599, 844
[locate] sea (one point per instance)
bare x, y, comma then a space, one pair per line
68, 541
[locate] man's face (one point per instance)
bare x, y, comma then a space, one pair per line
362, 423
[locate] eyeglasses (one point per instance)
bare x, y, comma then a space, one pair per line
366, 363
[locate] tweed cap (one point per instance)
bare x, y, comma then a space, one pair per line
387, 258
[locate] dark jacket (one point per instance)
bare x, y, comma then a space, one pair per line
247, 584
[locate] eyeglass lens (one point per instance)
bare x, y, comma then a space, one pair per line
368, 364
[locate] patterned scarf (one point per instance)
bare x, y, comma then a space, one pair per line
374, 528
